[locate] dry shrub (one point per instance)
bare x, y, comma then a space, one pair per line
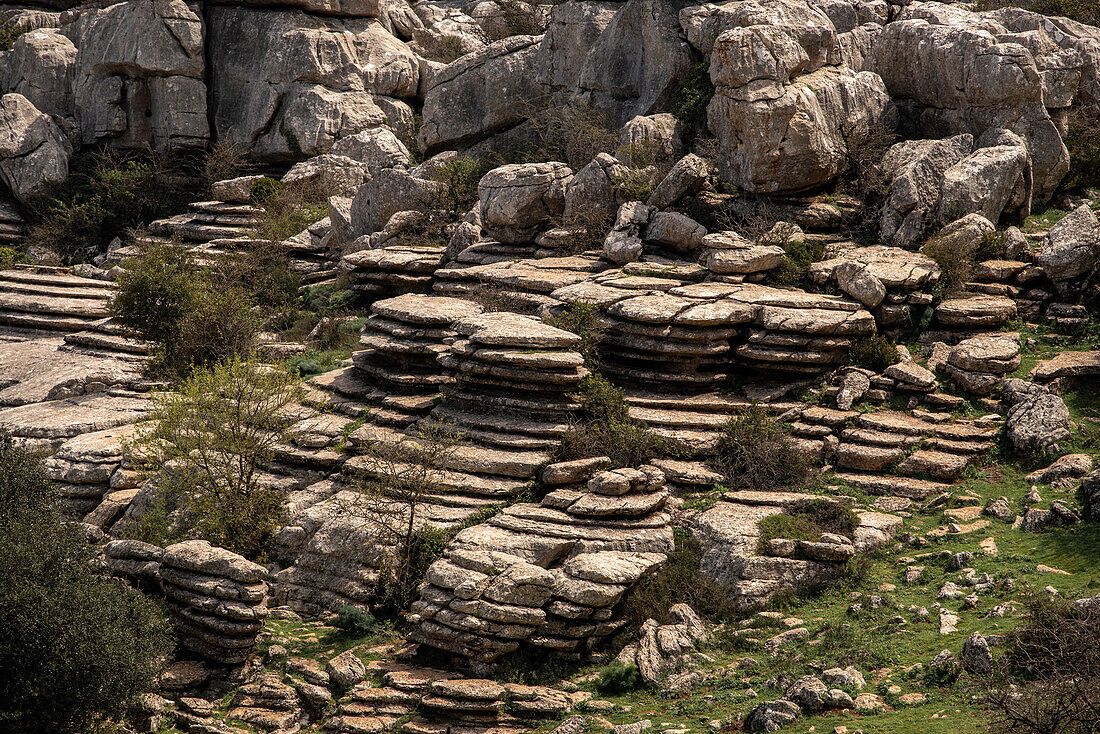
287, 209
571, 132
225, 160
755, 451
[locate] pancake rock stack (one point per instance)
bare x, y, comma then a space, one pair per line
889, 281
513, 380
88, 470
217, 600
979, 364
392, 271
404, 337
547, 575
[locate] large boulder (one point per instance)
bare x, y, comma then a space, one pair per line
1037, 419
33, 151
638, 60
915, 170
573, 31
518, 200
139, 75
480, 94
959, 78
389, 191
1071, 248
990, 181
288, 84
41, 67
375, 148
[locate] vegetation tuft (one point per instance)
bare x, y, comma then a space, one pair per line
755, 451
875, 353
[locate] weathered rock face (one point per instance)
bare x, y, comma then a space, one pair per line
574, 29
33, 151
915, 169
519, 199
1072, 247
633, 67
139, 75
1037, 418
951, 79
286, 83
786, 117
480, 94
990, 181
547, 575
42, 67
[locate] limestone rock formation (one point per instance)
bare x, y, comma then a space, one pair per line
33, 151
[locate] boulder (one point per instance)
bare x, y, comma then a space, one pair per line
390, 191
1071, 248
592, 191
33, 151
377, 147
634, 66
956, 77
687, 176
860, 283
480, 94
334, 173
42, 66
573, 31
623, 243
976, 657
659, 135
1037, 419
772, 715
518, 200
990, 181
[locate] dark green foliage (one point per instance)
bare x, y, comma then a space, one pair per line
795, 268
8, 35
617, 679
690, 100
460, 178
583, 320
264, 273
875, 353
286, 210
9, 257
156, 292
609, 431
354, 621
106, 194
76, 646
809, 521
1048, 680
264, 190
1083, 144
678, 581
792, 527
756, 452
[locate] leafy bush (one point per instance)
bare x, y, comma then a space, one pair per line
77, 646
608, 430
792, 527
573, 133
106, 194
208, 439
286, 210
756, 452
263, 273
9, 258
1084, 149
617, 679
875, 353
678, 581
956, 261
1048, 680
798, 257
636, 184
693, 94
809, 521
460, 178
354, 621
222, 325
156, 291
8, 36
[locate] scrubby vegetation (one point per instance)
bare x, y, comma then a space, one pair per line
608, 430
689, 101
208, 440
1084, 149
8, 36
809, 521
287, 209
76, 646
756, 452
875, 353
795, 268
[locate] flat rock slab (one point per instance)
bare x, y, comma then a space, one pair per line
67, 418
1067, 364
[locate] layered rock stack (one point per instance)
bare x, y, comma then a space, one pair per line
46, 300
979, 364
404, 337
547, 575
91, 478
207, 221
216, 600
889, 281
513, 282
513, 380
393, 270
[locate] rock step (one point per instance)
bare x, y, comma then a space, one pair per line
713, 402
47, 324
53, 290
915, 489
365, 466
110, 344
56, 277
47, 304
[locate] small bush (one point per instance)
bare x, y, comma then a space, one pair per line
693, 94
9, 258
875, 353
608, 430
264, 190
286, 210
8, 36
956, 261
809, 521
354, 621
156, 291
636, 184
460, 179
222, 325
617, 679
756, 452
792, 527
225, 160
1084, 149
583, 320
573, 133
263, 273
795, 268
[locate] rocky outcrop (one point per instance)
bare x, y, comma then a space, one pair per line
1037, 419
517, 200
1071, 248
33, 151
546, 575
663, 649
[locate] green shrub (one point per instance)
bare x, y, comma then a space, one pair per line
678, 581
263, 273
809, 521
583, 320
792, 527
77, 646
755, 452
636, 184
222, 325
795, 268
156, 291
693, 94
956, 261
608, 430
1084, 149
9, 258
264, 190
617, 679
286, 210
8, 36
106, 194
875, 353
354, 621
460, 179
